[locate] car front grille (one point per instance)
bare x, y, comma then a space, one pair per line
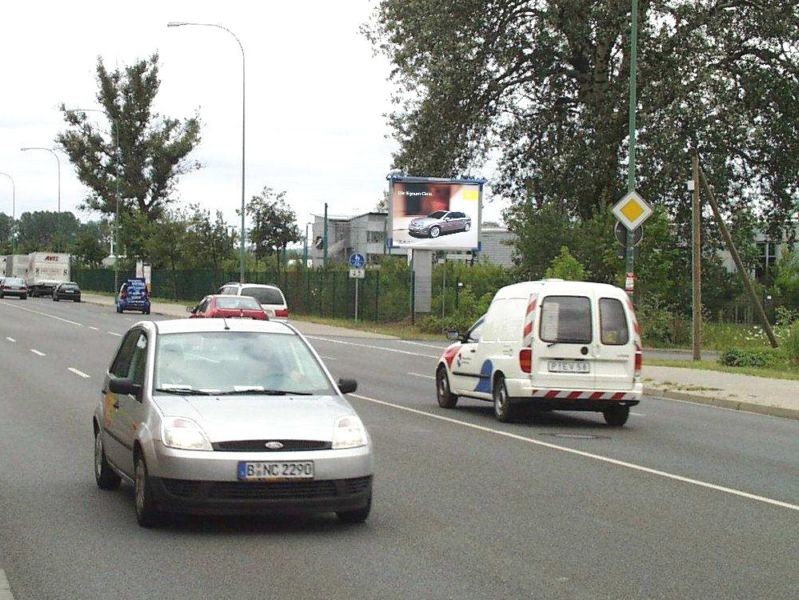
184, 488
261, 490
260, 446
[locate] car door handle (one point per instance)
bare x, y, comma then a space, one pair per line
472, 350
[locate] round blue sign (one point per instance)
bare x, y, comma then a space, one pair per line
357, 261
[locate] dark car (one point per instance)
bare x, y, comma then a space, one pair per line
134, 295
439, 223
66, 291
14, 286
221, 306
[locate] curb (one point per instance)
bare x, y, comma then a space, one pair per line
761, 409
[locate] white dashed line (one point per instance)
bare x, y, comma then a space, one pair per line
11, 339
5, 588
78, 373
36, 312
598, 457
421, 375
635, 414
115, 333
422, 344
93, 328
37, 352
324, 339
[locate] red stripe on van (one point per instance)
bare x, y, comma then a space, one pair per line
551, 394
618, 396
574, 395
528, 329
597, 396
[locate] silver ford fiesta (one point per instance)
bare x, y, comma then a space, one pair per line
229, 416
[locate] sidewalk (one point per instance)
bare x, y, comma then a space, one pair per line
775, 397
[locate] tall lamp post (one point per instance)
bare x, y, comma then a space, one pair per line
305, 249
115, 234
243, 125
13, 210
58, 162
630, 249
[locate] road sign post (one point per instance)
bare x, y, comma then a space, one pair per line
357, 272
631, 211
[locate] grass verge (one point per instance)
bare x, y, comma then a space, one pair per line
787, 372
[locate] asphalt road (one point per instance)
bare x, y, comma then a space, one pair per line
686, 501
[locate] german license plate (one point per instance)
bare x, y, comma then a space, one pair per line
569, 366
275, 471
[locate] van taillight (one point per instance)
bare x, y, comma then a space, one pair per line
639, 361
282, 312
526, 359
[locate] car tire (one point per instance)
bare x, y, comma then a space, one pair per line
146, 513
119, 309
55, 298
504, 410
77, 299
145, 312
359, 515
446, 399
104, 475
467, 226
25, 297
616, 416
435, 231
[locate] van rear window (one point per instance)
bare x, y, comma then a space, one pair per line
566, 319
264, 295
613, 322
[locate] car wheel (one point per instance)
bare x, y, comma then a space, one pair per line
146, 311
77, 299
435, 231
446, 399
504, 409
356, 516
55, 298
103, 473
25, 297
467, 226
146, 513
616, 416
119, 309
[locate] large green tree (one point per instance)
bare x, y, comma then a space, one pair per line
141, 154
209, 243
274, 223
46, 231
6, 229
541, 86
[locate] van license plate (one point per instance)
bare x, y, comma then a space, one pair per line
569, 366
275, 471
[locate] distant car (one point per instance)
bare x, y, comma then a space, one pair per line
217, 305
14, 286
231, 416
133, 295
441, 222
66, 291
269, 297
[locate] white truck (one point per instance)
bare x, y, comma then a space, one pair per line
16, 265
45, 271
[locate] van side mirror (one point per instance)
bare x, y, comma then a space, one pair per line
347, 386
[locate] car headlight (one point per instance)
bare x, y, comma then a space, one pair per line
184, 434
349, 433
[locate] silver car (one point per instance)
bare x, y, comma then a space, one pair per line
439, 223
229, 416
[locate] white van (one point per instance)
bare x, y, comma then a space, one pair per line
550, 344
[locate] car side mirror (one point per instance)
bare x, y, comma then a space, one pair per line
123, 385
347, 386
191, 309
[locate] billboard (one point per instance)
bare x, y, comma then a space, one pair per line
435, 214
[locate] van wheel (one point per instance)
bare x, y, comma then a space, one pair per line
616, 416
446, 399
504, 409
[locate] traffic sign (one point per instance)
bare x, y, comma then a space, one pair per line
632, 210
357, 261
357, 273
621, 234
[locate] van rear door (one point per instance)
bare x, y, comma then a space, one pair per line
614, 350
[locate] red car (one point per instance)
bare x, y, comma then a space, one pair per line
218, 305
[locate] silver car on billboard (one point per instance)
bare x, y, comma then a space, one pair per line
441, 222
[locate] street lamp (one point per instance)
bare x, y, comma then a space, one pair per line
305, 249
115, 234
58, 162
13, 209
243, 125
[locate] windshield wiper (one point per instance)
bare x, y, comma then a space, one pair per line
186, 391
262, 392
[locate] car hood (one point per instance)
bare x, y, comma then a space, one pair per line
259, 417
424, 221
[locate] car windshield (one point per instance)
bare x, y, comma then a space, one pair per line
13, 281
439, 214
237, 362
263, 295
238, 302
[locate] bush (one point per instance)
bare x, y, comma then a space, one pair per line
792, 343
739, 357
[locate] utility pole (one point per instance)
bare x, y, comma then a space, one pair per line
630, 249
324, 241
696, 256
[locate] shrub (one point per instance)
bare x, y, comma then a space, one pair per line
791, 343
740, 357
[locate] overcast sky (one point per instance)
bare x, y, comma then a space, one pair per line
316, 97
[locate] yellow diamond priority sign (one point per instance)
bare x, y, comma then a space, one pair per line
632, 210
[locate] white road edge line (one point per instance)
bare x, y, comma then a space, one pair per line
422, 344
10, 339
324, 339
78, 373
421, 375
115, 333
5, 587
35, 351
606, 459
36, 312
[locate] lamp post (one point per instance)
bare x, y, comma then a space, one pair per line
630, 247
243, 125
115, 233
13, 210
58, 162
305, 249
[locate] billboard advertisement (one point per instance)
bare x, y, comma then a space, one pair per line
435, 214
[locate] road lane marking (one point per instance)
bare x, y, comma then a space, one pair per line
78, 373
598, 457
115, 333
10, 339
93, 328
323, 357
635, 414
36, 312
441, 348
421, 375
37, 352
5, 587
323, 339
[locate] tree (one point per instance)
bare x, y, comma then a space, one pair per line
273, 223
141, 156
565, 266
46, 231
6, 228
92, 243
208, 244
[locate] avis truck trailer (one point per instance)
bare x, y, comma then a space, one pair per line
45, 271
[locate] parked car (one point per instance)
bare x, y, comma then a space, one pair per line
232, 416
552, 345
441, 222
66, 291
14, 286
133, 295
217, 305
270, 297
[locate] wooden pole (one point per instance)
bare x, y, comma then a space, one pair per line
696, 213
739, 265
